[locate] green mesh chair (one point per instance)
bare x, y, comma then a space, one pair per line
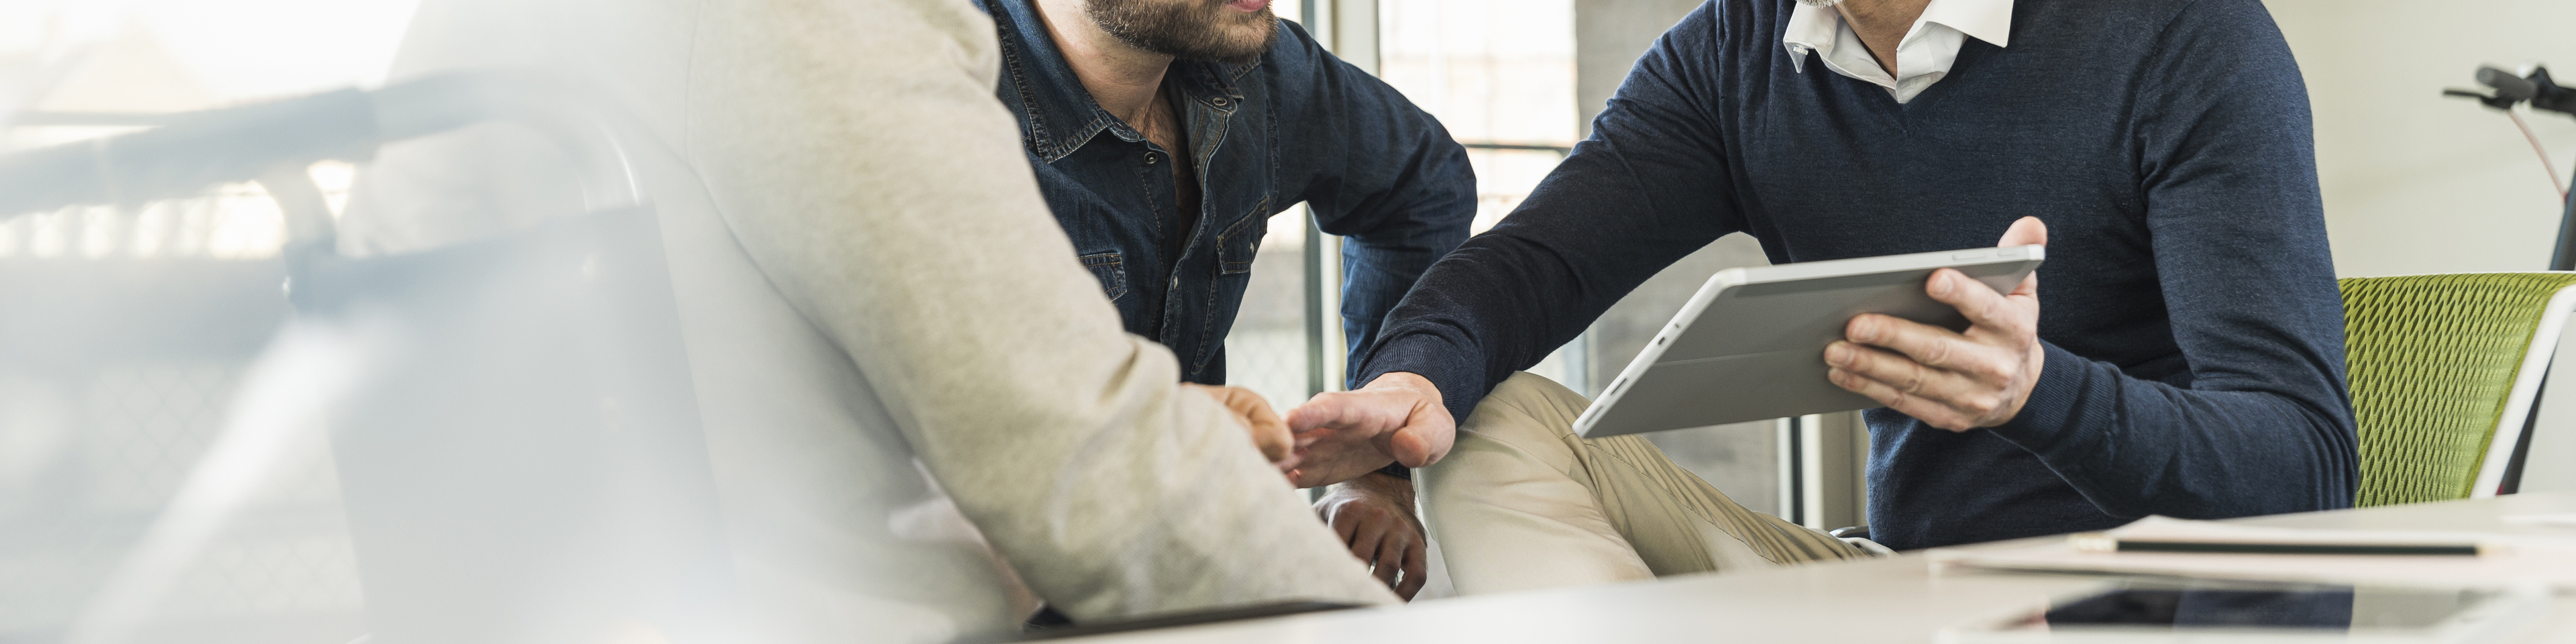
2445, 373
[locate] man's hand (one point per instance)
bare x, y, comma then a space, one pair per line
1954, 381
1253, 412
1343, 434
1374, 515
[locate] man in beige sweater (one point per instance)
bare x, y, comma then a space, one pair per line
897, 356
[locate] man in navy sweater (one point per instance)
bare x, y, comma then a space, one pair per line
2180, 354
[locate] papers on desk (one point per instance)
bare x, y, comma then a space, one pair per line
2559, 520
2507, 559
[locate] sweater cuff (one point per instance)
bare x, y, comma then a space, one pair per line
2070, 406
1458, 372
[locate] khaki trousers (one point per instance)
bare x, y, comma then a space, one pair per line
1521, 503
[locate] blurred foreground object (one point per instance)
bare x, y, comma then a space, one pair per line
511, 419
909, 395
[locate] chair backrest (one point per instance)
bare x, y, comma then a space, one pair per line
519, 448
2445, 371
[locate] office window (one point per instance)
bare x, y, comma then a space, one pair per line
1500, 76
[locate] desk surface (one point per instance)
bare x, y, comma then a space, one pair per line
1898, 599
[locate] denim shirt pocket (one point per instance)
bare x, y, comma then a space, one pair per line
1240, 243
1111, 270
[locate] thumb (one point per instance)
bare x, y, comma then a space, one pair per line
2025, 231
1425, 437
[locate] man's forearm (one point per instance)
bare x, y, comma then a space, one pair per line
1022, 414
2138, 447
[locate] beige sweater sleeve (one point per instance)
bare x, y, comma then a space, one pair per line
856, 150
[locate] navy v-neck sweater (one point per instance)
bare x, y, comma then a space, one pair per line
2193, 332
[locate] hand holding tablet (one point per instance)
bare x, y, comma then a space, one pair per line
1954, 380
1752, 344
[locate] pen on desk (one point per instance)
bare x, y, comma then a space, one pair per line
2099, 542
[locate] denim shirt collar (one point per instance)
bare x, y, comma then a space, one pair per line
1060, 115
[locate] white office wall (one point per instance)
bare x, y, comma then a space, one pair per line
2415, 182
2418, 183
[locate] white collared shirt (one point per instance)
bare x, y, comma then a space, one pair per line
1923, 57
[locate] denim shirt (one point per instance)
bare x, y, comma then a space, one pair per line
1295, 125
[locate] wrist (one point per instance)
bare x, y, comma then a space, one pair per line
1380, 485
1404, 380
1397, 470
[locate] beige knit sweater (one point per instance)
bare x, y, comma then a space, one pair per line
873, 291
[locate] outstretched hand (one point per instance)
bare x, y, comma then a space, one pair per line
1951, 380
1397, 418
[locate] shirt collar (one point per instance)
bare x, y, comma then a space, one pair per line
1987, 20
1810, 29
1813, 28
1058, 115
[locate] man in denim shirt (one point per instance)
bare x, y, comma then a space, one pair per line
1107, 90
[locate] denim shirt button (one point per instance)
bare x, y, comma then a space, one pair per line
1218, 101
1149, 158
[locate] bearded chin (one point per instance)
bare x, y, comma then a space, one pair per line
1185, 30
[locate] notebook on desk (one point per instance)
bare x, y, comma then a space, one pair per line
2503, 559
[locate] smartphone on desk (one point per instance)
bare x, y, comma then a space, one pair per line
2175, 610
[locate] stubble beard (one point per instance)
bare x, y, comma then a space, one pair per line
1201, 29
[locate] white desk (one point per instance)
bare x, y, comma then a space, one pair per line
1897, 599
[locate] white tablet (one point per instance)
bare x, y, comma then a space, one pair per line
1751, 344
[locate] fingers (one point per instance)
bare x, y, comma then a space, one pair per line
1389, 560
1984, 308
1416, 569
1957, 398
1920, 359
1327, 463
1269, 434
1250, 403
1360, 414
2025, 231
1930, 345
1344, 525
1896, 399
1373, 516
1391, 545
1944, 399
1367, 545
